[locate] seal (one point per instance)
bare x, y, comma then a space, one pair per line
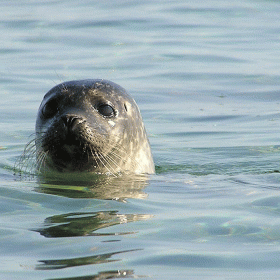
91, 126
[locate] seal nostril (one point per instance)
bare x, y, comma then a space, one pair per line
71, 122
75, 123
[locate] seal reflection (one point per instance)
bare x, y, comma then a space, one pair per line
98, 226
87, 223
88, 185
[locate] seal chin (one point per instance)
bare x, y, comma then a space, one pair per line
67, 159
70, 152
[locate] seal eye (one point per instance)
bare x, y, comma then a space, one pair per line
106, 110
50, 109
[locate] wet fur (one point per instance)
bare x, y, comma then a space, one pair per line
96, 145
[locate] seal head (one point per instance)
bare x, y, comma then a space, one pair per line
93, 126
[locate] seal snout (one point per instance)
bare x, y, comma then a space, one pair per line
71, 123
71, 128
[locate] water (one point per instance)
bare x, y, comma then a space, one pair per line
206, 78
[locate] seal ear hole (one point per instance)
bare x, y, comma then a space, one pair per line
106, 110
50, 108
125, 107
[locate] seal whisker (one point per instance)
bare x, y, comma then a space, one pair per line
123, 154
101, 158
94, 154
41, 160
97, 161
110, 154
109, 158
26, 161
107, 165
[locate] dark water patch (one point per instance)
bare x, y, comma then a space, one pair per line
223, 11
194, 134
67, 263
6, 51
208, 76
88, 24
217, 118
204, 58
10, 80
86, 224
263, 96
211, 169
254, 261
220, 160
20, 23
271, 204
114, 23
9, 205
110, 274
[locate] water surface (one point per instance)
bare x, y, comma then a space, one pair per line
206, 78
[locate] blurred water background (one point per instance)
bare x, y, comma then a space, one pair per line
205, 75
